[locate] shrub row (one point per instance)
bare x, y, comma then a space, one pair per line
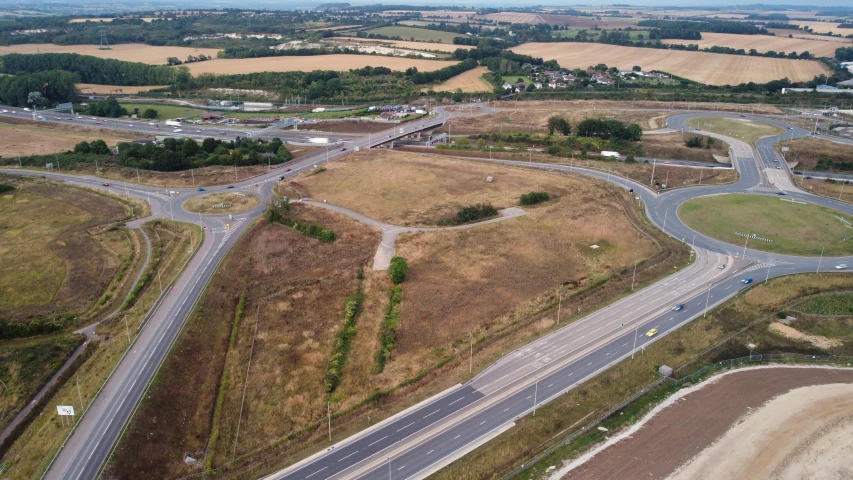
39, 326
310, 230
340, 351
472, 213
388, 329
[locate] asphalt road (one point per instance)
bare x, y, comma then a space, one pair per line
154, 128
436, 432
88, 447
442, 429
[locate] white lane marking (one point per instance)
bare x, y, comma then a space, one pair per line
407, 426
484, 421
460, 398
549, 386
430, 452
432, 413
506, 410
383, 438
315, 473
351, 454
457, 436
401, 468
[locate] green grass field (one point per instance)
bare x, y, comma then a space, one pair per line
746, 130
418, 34
514, 78
795, 229
165, 112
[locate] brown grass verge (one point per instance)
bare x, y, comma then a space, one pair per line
639, 104
529, 120
25, 137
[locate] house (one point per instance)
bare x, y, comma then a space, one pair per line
508, 86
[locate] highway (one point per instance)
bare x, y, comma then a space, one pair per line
436, 432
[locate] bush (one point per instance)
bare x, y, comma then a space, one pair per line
473, 213
341, 348
693, 142
6, 188
150, 113
533, 198
398, 270
388, 329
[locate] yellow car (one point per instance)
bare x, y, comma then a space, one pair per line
652, 332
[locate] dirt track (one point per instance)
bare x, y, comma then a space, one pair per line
688, 427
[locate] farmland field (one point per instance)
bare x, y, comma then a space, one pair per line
821, 27
419, 34
134, 52
469, 82
802, 34
703, 67
762, 43
339, 63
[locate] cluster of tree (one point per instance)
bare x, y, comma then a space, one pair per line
52, 86
559, 124
175, 61
279, 212
678, 33
89, 69
609, 129
710, 26
844, 54
697, 141
421, 78
781, 25
106, 108
38, 326
182, 154
472, 213
767, 16
250, 51
97, 147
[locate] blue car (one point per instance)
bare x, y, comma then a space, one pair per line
747, 280
200, 189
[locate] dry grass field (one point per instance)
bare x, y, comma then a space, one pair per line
230, 203
108, 89
29, 138
338, 62
30, 455
132, 52
468, 82
806, 152
507, 292
431, 46
513, 17
671, 146
639, 104
535, 120
56, 255
703, 67
802, 34
762, 43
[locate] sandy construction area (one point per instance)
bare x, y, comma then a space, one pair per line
131, 52
765, 422
339, 63
431, 46
469, 82
762, 43
108, 89
704, 67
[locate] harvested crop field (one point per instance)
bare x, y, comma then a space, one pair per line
762, 43
111, 89
802, 34
28, 139
416, 34
821, 27
133, 52
468, 82
536, 120
703, 67
338, 62
777, 422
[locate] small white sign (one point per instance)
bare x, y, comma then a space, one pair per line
65, 410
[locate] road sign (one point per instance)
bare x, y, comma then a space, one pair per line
48, 166
785, 149
65, 410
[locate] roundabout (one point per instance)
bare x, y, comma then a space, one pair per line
775, 224
221, 203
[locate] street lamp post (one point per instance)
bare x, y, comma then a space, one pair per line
633, 277
535, 392
634, 350
707, 300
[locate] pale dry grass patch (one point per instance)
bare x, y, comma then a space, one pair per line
28, 139
337, 62
468, 82
762, 43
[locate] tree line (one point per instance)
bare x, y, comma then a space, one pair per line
90, 69
54, 86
